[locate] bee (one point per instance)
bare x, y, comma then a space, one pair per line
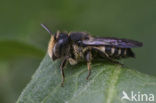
74, 47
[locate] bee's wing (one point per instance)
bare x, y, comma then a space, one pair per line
109, 41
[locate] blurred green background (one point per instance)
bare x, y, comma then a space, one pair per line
23, 43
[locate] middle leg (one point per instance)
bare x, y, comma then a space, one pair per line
63, 63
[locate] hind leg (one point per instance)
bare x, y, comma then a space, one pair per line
115, 62
88, 59
112, 60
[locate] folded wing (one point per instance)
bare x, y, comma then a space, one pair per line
110, 41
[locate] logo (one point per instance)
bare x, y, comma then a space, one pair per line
137, 96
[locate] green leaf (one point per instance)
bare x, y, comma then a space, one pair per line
106, 84
10, 49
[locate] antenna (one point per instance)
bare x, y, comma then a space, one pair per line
46, 29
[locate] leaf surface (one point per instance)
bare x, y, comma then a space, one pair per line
107, 84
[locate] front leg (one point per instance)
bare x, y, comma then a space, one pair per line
88, 59
63, 63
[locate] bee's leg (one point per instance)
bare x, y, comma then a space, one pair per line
88, 59
63, 63
113, 61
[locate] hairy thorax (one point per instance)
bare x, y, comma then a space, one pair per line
77, 54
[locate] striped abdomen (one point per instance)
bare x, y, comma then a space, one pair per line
115, 52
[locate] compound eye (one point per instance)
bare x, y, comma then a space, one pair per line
60, 47
57, 49
61, 41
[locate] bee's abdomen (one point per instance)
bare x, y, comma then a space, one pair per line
116, 52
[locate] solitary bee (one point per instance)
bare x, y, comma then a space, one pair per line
74, 47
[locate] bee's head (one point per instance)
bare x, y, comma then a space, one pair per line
58, 44
61, 45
